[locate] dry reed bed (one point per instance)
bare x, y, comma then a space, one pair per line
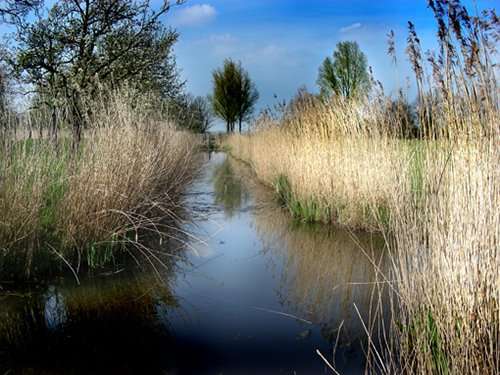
333, 174
437, 203
446, 256
436, 199
126, 179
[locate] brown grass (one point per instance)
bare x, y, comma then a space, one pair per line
345, 175
126, 180
437, 203
447, 262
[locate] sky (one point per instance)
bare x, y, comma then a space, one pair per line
283, 42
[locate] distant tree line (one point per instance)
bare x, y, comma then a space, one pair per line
69, 52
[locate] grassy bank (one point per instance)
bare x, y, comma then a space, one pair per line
343, 180
125, 180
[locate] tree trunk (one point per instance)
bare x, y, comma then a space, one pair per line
77, 134
77, 121
240, 124
54, 125
30, 130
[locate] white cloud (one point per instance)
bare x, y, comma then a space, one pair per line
354, 26
222, 45
222, 38
194, 15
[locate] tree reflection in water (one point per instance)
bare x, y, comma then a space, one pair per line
108, 325
228, 188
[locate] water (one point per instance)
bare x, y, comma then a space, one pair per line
254, 293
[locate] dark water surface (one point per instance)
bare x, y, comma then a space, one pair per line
254, 293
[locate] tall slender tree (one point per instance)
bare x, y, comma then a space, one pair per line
248, 97
225, 93
234, 94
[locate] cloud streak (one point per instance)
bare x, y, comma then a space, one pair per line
352, 27
194, 15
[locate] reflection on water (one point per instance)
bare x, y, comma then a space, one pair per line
228, 188
257, 295
105, 325
21, 264
324, 272
145, 248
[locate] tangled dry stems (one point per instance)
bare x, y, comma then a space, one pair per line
125, 180
436, 198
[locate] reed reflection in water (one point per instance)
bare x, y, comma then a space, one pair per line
325, 273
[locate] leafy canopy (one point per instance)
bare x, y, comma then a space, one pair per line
345, 75
80, 44
234, 94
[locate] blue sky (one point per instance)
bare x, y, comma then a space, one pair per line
283, 42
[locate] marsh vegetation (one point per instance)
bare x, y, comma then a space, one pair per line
348, 220
123, 184
122, 319
435, 198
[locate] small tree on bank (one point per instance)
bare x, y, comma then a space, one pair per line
234, 94
248, 97
345, 75
78, 46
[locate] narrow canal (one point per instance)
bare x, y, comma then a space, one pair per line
248, 291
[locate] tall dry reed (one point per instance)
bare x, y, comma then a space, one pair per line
125, 180
326, 164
